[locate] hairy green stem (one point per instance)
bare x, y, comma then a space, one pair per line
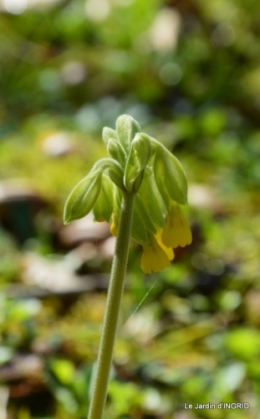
115, 290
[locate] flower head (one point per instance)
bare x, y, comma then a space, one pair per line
139, 165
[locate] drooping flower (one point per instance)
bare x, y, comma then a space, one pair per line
176, 231
139, 165
168, 250
155, 256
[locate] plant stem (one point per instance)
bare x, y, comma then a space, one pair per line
115, 291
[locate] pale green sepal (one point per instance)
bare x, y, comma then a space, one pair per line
83, 197
140, 153
117, 199
116, 175
116, 151
152, 198
137, 183
169, 176
147, 215
104, 163
103, 206
113, 169
126, 128
108, 133
139, 232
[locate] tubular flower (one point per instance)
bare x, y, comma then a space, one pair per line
155, 257
138, 165
176, 231
168, 250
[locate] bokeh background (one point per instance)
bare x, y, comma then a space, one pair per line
189, 71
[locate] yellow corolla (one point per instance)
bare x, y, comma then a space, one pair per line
156, 256
114, 226
176, 231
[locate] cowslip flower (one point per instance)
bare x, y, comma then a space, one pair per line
156, 256
176, 231
138, 164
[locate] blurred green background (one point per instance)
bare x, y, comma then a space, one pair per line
189, 72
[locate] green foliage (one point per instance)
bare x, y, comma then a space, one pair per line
9, 257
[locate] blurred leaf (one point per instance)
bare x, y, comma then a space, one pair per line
125, 396
212, 122
243, 342
230, 378
64, 370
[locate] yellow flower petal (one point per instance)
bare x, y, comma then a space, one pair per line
155, 258
176, 231
114, 226
168, 250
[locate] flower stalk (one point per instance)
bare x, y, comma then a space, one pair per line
139, 188
115, 290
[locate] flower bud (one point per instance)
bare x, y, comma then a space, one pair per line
126, 128
103, 206
83, 197
140, 153
170, 177
113, 169
152, 199
108, 133
116, 175
116, 151
141, 208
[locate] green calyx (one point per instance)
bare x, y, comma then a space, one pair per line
169, 175
137, 164
126, 128
83, 197
103, 207
140, 153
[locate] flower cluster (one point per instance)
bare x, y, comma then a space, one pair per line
140, 165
